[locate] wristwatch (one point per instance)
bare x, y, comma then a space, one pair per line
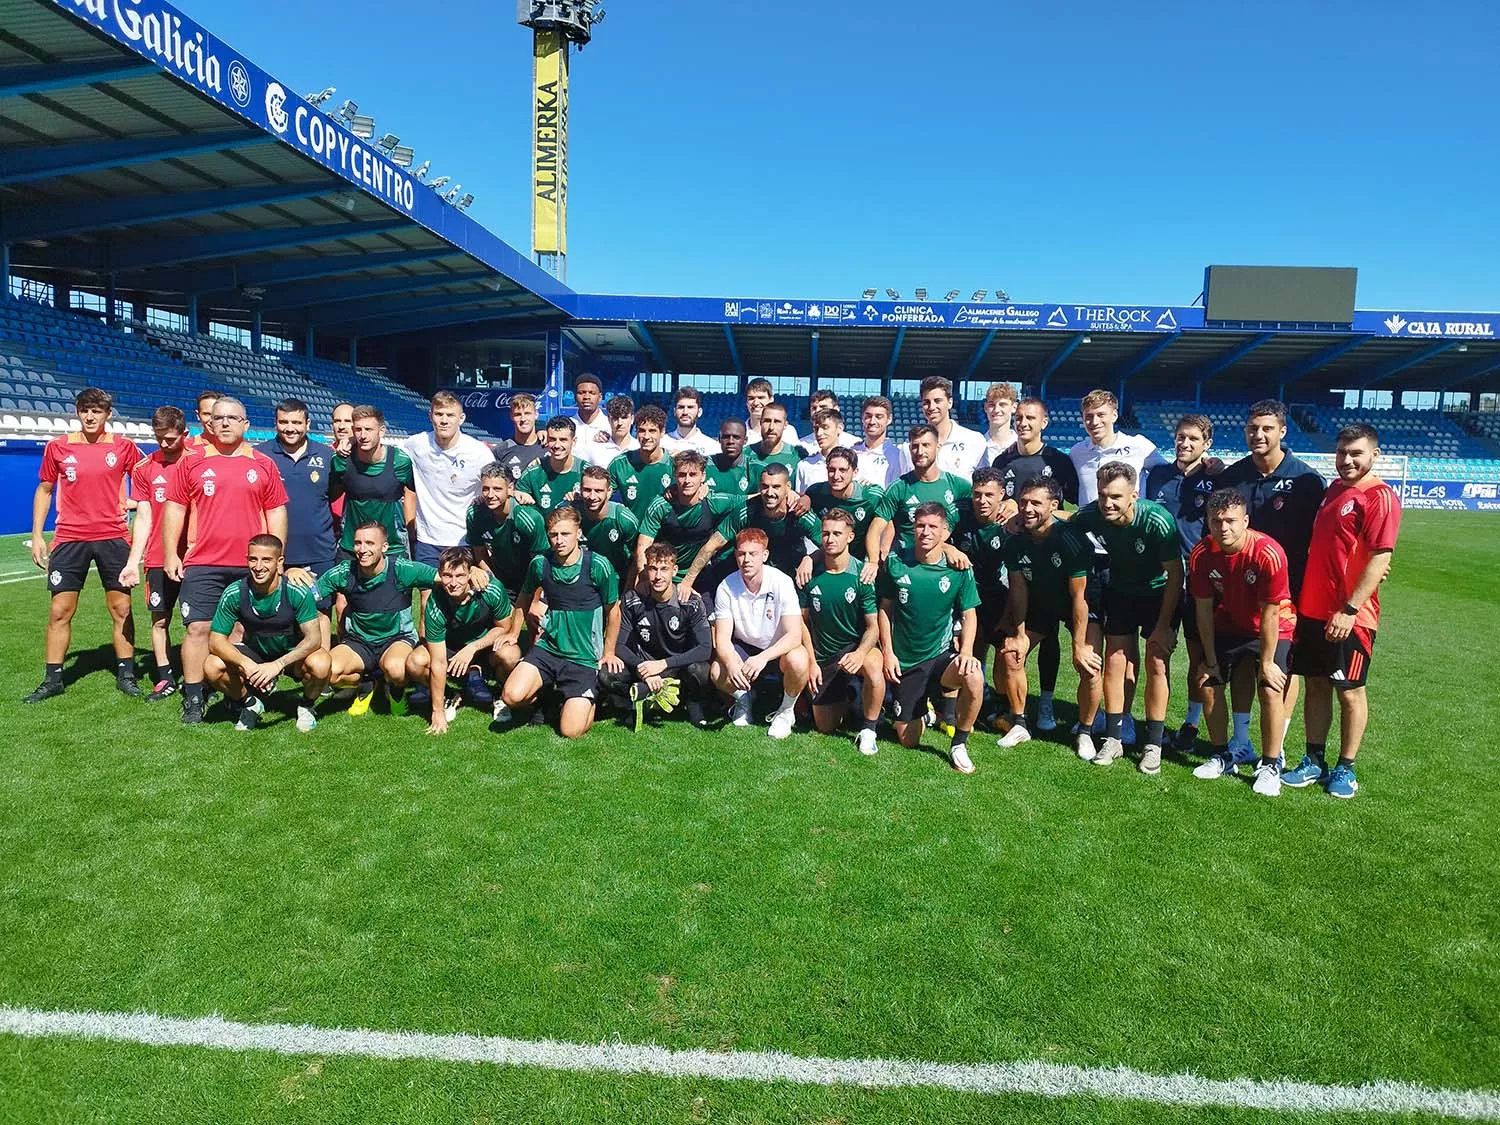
1350, 609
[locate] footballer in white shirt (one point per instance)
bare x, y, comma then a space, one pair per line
959, 448
1101, 410
881, 461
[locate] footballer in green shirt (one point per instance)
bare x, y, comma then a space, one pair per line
686, 515
554, 479
281, 635
571, 596
729, 469
377, 483
926, 483
771, 449
643, 474
920, 601
842, 634
609, 528
1142, 591
467, 632
843, 490
771, 511
504, 534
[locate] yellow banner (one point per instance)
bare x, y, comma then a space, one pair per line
549, 145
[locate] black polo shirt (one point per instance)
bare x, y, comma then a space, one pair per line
309, 520
1186, 497
1016, 468
1283, 504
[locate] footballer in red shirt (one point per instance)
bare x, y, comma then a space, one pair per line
1353, 537
1239, 580
148, 488
228, 494
86, 469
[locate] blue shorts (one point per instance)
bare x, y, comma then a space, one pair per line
428, 554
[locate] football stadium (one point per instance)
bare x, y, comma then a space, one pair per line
459, 697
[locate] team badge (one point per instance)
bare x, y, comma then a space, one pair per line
1344, 511
72, 474
948, 495
995, 543
1278, 503
55, 578
155, 599
208, 488
945, 585
905, 594
849, 595
674, 622
644, 629
313, 476
817, 603
1250, 577
1056, 560
251, 477
110, 459
159, 495
614, 535
859, 514
186, 609
1140, 546
630, 493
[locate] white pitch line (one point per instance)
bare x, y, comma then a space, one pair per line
1041, 1079
7, 580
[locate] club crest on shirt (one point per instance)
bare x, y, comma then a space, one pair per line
674, 622
945, 584
252, 476
111, 460
208, 488
1140, 546
1250, 577
849, 595
1347, 508
1056, 560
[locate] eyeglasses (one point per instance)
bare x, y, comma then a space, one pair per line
226, 418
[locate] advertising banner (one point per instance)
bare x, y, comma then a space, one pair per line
549, 144
1450, 496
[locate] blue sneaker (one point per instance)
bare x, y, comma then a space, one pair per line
1309, 771
1341, 781
476, 691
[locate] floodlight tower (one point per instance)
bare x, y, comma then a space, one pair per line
555, 25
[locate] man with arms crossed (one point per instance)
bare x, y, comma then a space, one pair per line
842, 635
757, 621
281, 637
1238, 580
1339, 608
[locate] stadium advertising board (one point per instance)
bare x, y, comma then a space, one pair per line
549, 144
1450, 496
1430, 325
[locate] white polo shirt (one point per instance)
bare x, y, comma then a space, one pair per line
809, 444
993, 450
961, 451
757, 616
583, 433
447, 482
1140, 453
810, 470
882, 465
674, 442
603, 453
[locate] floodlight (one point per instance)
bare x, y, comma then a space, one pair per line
892, 294
463, 204
361, 126
867, 295
387, 142
1002, 295
440, 183
402, 155
1086, 340
598, 15
453, 194
421, 173
348, 109
321, 96
979, 294
952, 295
921, 293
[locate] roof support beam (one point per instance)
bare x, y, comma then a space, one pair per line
1473, 371
890, 367
1396, 366
1143, 358
812, 381
983, 346
396, 309
1321, 359
1044, 373
18, 81
41, 162
734, 352
1231, 357
642, 336
220, 279
312, 297
23, 223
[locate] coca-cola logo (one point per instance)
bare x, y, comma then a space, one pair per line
486, 400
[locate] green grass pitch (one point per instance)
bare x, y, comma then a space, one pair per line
720, 890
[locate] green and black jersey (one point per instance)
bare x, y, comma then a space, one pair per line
686, 527
379, 606
548, 489
836, 603
457, 624
373, 491
925, 601
612, 535
272, 623
862, 503
511, 543
1046, 564
1137, 551
908, 491
636, 483
573, 625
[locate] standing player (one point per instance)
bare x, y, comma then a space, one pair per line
1101, 410
590, 425
1238, 580
229, 493
686, 515
88, 469
553, 480
376, 631
377, 483
894, 525
609, 528
787, 534
757, 622
819, 402
504, 535
843, 635
999, 408
526, 447
828, 430
304, 466
620, 410
846, 492
148, 487
981, 535
775, 446
687, 407
1049, 586
1339, 609
1183, 488
729, 469
643, 474
664, 636
572, 599
1032, 457
341, 428
881, 460
446, 463
959, 448
281, 636
205, 411
468, 632
1142, 589
759, 395
920, 602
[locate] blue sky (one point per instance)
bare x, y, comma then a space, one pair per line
1063, 152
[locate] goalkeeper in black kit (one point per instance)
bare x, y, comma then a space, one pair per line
665, 642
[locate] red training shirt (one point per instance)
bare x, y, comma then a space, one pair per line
1355, 522
1242, 582
90, 478
148, 486
228, 496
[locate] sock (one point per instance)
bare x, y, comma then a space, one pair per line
788, 700
1046, 699
1154, 732
1317, 751
1343, 761
163, 672
125, 669
742, 699
960, 738
1269, 761
54, 673
1048, 658
193, 693
869, 724
1018, 720
1218, 751
393, 691
1194, 715
1114, 725
948, 710
1242, 726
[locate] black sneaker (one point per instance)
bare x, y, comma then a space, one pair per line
192, 713
44, 690
126, 685
1185, 739
162, 689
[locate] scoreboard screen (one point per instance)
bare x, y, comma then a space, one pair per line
1322, 295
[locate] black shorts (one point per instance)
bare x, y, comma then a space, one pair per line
202, 587
293, 670
990, 614
68, 567
370, 654
836, 681
1232, 650
919, 683
1128, 614
1187, 615
1346, 662
161, 591
573, 681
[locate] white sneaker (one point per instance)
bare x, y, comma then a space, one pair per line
866, 743
781, 723
500, 713
1127, 731
961, 762
450, 708
306, 719
1015, 736
1085, 746
1267, 779
1108, 752
1045, 719
739, 714
1150, 759
1217, 766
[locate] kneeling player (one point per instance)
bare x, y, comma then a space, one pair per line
1243, 602
572, 598
376, 630
467, 632
842, 635
1049, 579
919, 603
665, 643
282, 634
